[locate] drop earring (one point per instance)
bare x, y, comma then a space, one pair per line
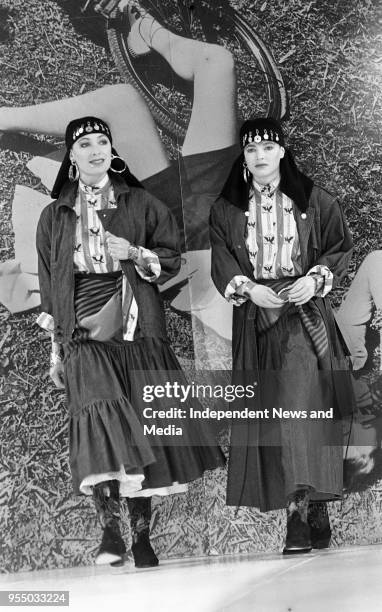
74, 172
246, 173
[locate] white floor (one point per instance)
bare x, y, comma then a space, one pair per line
336, 580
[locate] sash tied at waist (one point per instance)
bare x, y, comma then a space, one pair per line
309, 314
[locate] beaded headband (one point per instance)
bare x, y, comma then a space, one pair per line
261, 129
84, 126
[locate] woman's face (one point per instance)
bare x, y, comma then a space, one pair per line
92, 154
263, 160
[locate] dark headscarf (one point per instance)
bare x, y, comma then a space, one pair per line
293, 182
75, 130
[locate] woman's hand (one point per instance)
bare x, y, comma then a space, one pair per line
119, 248
265, 297
302, 290
56, 372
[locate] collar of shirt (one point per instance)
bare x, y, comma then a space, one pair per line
267, 190
93, 189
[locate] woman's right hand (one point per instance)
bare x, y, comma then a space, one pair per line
56, 372
265, 297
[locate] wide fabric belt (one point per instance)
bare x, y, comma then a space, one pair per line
309, 314
105, 306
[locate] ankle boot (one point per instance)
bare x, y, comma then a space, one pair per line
140, 516
318, 521
298, 531
106, 499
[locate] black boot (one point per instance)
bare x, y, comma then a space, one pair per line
318, 520
112, 547
140, 516
298, 530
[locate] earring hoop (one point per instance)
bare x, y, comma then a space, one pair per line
74, 173
113, 157
246, 173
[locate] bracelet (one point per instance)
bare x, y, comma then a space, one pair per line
55, 358
133, 252
56, 350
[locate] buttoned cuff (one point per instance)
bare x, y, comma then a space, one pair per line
326, 275
147, 265
46, 321
234, 291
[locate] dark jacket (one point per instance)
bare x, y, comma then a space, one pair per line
324, 239
257, 476
140, 218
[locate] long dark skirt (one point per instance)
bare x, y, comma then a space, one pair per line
104, 383
272, 457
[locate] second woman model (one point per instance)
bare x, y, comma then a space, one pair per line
280, 244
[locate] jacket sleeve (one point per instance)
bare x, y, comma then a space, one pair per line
162, 238
225, 269
336, 240
43, 245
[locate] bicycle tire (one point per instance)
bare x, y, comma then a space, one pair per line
278, 106
277, 95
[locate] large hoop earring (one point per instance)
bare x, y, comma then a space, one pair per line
246, 173
113, 157
74, 173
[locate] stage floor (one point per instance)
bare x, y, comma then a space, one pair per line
340, 580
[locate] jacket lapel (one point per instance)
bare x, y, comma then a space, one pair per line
110, 217
106, 217
239, 232
304, 222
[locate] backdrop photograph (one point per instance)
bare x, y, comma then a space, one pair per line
174, 80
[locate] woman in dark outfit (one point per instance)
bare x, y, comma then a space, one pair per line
279, 245
104, 244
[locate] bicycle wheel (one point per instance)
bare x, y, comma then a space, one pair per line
226, 28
